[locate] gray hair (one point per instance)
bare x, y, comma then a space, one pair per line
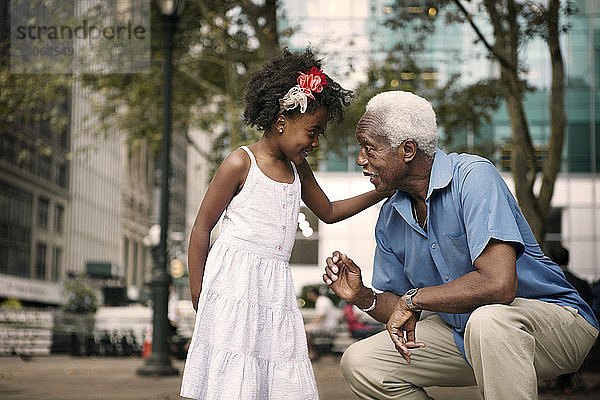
405, 115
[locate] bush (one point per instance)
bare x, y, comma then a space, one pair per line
11, 303
80, 296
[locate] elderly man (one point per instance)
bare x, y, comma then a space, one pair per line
452, 240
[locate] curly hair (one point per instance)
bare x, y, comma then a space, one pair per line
272, 81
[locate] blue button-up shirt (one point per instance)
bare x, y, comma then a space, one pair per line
468, 203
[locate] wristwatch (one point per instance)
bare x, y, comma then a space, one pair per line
373, 305
408, 300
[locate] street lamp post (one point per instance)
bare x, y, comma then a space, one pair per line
159, 363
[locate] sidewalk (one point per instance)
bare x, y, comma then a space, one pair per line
92, 378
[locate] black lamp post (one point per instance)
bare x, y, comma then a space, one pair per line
159, 363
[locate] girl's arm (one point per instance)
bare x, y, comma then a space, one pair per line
226, 183
327, 211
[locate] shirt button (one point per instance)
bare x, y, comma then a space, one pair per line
433, 245
284, 228
446, 277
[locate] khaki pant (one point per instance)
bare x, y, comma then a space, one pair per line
509, 347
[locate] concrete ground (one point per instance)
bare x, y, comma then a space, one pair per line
93, 378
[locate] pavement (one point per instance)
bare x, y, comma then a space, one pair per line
61, 377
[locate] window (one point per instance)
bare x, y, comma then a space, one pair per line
306, 247
22, 267
45, 166
40, 261
60, 175
56, 263
4, 251
134, 264
43, 204
126, 257
59, 212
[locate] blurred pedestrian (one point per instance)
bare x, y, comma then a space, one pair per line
172, 312
557, 253
357, 328
325, 321
560, 255
249, 339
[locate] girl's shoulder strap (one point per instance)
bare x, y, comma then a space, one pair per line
296, 175
250, 154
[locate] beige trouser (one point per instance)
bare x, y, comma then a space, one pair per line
509, 347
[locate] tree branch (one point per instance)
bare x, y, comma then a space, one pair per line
557, 113
501, 59
196, 147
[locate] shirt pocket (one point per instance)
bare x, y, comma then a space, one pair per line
457, 255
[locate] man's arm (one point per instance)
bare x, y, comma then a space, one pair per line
493, 281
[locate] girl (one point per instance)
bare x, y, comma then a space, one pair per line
249, 340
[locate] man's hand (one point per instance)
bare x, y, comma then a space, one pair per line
345, 279
401, 327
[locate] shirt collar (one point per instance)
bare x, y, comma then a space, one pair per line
440, 177
441, 172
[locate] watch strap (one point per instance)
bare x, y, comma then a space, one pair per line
408, 300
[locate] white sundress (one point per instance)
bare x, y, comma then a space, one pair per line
249, 340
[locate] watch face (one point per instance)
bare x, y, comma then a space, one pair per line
408, 298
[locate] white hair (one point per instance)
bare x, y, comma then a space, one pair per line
405, 115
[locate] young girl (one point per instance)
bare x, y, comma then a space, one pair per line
249, 340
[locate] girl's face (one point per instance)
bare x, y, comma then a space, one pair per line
301, 134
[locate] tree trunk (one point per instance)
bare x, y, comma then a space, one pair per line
557, 112
507, 34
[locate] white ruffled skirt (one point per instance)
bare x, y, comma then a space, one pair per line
249, 340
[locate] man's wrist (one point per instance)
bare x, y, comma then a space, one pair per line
408, 300
365, 298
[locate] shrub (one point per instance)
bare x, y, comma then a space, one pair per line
80, 297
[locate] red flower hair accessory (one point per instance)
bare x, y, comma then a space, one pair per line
312, 82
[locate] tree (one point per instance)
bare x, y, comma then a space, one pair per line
458, 109
217, 42
514, 24
28, 99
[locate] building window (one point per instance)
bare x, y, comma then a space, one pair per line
40, 261
306, 247
126, 257
59, 212
43, 204
16, 212
4, 251
22, 266
56, 263
61, 174
134, 264
45, 167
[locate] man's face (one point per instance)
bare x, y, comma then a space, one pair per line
379, 161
